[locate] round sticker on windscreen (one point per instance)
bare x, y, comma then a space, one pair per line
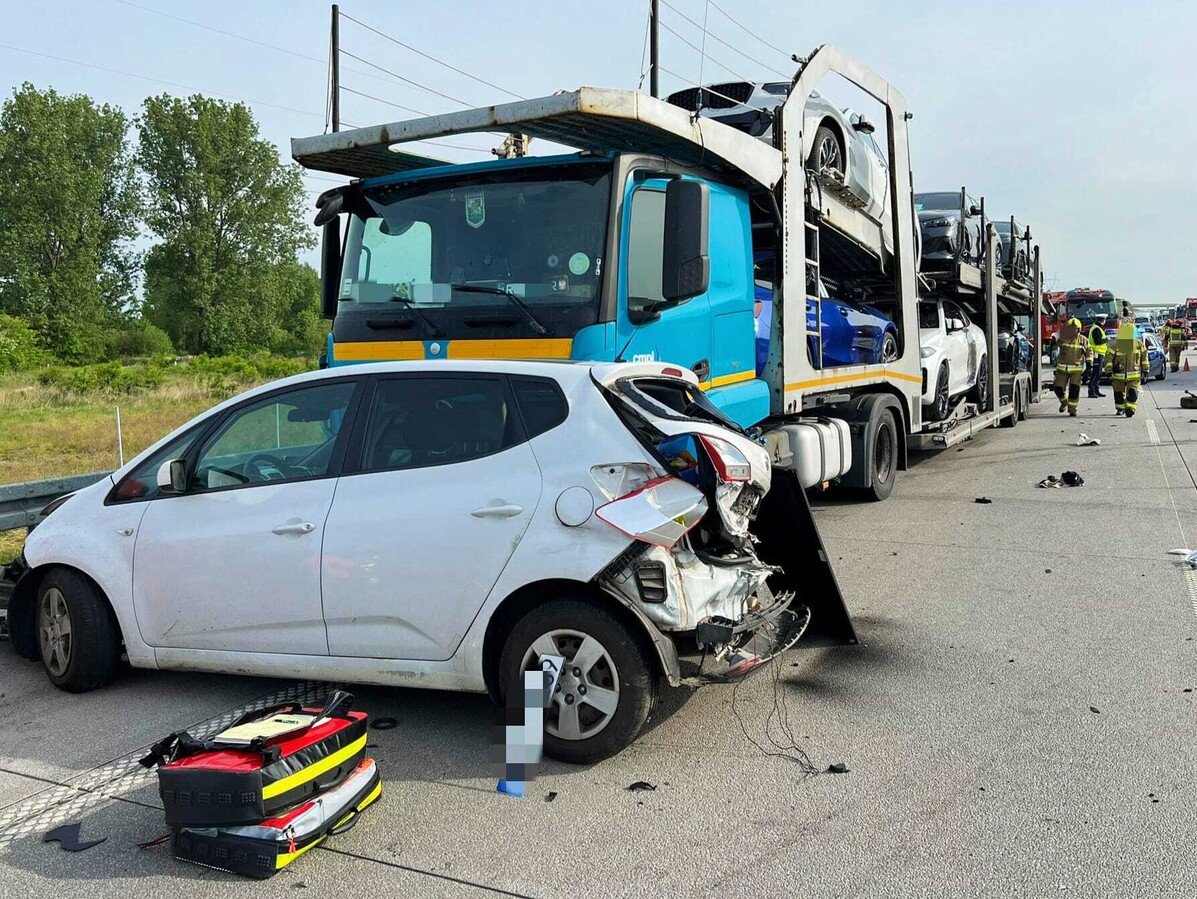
579, 263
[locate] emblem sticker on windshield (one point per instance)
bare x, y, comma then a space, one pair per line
579, 263
475, 209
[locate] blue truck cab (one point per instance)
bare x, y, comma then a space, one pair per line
585, 256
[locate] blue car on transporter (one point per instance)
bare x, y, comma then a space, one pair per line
853, 333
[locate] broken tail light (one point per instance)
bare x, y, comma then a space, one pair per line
660, 512
730, 464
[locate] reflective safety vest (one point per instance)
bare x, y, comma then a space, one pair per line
1176, 337
1129, 363
1073, 356
1097, 339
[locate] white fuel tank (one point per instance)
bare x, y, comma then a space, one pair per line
816, 449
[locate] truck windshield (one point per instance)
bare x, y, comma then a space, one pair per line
1088, 310
506, 253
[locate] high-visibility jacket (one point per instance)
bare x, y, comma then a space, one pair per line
1176, 337
1097, 339
1074, 355
1128, 363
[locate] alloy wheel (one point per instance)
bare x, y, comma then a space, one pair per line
54, 632
587, 692
829, 154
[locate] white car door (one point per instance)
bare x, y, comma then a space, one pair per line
233, 563
439, 490
959, 349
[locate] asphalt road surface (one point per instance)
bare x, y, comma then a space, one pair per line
1017, 721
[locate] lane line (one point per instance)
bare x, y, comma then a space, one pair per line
1152, 431
1191, 579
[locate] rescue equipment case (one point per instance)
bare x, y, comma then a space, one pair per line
215, 784
260, 850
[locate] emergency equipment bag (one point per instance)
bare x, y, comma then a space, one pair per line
216, 783
259, 850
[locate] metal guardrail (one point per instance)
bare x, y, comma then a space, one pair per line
21, 503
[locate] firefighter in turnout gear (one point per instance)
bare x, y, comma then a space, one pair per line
1176, 343
1075, 352
1099, 343
1128, 368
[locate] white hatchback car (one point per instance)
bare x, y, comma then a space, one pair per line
954, 358
425, 524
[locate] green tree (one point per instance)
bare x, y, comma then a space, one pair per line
229, 215
70, 202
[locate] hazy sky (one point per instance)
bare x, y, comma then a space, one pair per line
1079, 117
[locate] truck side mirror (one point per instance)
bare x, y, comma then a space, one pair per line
172, 476
975, 209
330, 268
685, 263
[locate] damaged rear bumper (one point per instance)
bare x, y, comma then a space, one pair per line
776, 632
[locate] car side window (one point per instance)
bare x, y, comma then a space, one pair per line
142, 482
541, 403
284, 437
954, 318
418, 422
928, 315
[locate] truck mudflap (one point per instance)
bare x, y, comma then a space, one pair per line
789, 539
773, 635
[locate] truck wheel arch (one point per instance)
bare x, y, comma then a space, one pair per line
521, 601
863, 414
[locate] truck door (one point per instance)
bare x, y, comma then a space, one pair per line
681, 334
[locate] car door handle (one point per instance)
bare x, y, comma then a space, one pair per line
302, 527
507, 510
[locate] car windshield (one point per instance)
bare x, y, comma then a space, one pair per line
520, 250
938, 201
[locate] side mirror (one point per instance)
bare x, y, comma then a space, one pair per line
328, 206
172, 476
685, 263
330, 268
975, 209
864, 126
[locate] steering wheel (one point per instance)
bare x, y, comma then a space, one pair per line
268, 467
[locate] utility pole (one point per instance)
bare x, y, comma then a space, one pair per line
335, 66
654, 50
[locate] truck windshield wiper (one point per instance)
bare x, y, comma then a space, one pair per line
515, 300
424, 319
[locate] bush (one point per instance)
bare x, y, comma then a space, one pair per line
105, 377
141, 341
20, 349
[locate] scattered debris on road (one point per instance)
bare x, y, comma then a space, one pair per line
1095, 710
385, 723
67, 836
640, 786
837, 768
983, 500
550, 795
1086, 440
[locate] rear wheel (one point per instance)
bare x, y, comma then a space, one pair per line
76, 635
938, 410
607, 686
1016, 414
883, 458
889, 347
980, 394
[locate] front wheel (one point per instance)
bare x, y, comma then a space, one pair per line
607, 686
889, 347
938, 410
882, 456
77, 637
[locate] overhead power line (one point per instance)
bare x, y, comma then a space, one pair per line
689, 82
186, 87
698, 50
720, 40
422, 87
350, 90
786, 53
432, 58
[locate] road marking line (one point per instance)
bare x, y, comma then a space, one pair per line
1152, 431
1191, 579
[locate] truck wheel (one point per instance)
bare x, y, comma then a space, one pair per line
76, 635
938, 410
883, 458
1026, 403
1012, 419
607, 686
980, 393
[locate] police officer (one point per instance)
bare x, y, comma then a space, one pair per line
1070, 364
1099, 344
1128, 368
1176, 343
